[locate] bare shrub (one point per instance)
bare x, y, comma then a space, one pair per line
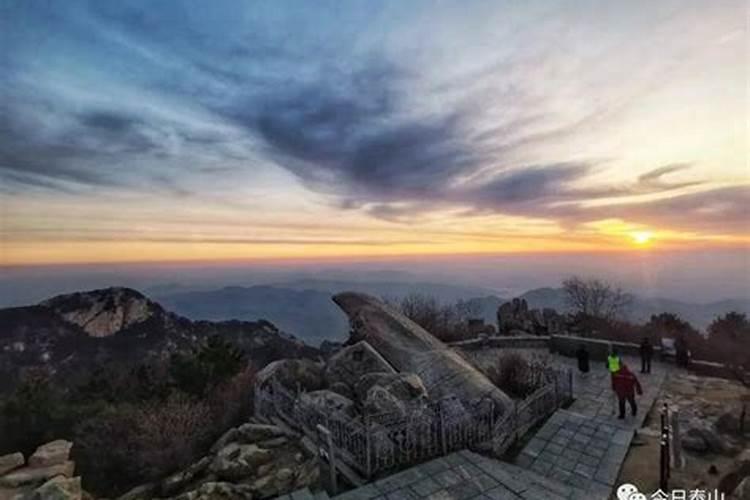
232, 401
127, 445
596, 298
447, 322
517, 375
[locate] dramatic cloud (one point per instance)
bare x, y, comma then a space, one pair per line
554, 111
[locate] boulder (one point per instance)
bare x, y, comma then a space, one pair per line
694, 442
247, 434
179, 480
35, 476
10, 462
59, 488
327, 402
408, 347
144, 491
404, 386
742, 492
343, 389
703, 439
274, 442
273, 485
308, 474
293, 374
728, 423
239, 461
53, 453
380, 401
252, 433
350, 363
218, 491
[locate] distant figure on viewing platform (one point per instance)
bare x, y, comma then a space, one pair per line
647, 352
682, 353
613, 366
583, 359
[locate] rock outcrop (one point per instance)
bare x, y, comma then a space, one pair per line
10, 462
352, 362
515, 318
48, 475
102, 313
253, 461
293, 374
410, 349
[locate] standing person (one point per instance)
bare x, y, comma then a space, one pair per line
682, 353
625, 385
647, 352
583, 359
613, 366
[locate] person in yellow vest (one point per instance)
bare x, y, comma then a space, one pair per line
614, 363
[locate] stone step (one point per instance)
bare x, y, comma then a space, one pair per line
321, 495
525, 483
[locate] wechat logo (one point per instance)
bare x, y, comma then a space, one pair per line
630, 492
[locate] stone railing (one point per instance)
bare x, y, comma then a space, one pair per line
374, 443
503, 342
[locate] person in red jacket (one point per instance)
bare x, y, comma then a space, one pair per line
625, 385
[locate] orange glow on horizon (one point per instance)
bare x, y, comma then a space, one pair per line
133, 251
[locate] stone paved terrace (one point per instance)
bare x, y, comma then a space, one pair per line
585, 445
577, 454
464, 475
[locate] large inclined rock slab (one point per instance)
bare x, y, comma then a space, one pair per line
410, 348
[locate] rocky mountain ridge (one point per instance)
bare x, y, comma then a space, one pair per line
70, 333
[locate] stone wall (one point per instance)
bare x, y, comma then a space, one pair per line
517, 342
598, 349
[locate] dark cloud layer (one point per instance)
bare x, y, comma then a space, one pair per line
352, 125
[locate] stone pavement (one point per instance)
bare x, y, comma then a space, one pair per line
464, 475
585, 445
593, 392
577, 454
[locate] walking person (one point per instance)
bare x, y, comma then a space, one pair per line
583, 360
647, 352
626, 385
613, 366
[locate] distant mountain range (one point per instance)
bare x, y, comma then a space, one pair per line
304, 307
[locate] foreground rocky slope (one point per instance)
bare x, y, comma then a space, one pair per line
47, 475
716, 443
69, 334
253, 460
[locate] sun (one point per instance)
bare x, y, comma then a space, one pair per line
642, 237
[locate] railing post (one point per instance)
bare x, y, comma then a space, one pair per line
677, 459
556, 392
570, 383
368, 447
664, 451
443, 438
327, 456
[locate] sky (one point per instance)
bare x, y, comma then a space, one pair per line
221, 131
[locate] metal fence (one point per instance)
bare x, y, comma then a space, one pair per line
373, 443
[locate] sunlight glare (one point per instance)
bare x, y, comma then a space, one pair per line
642, 237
